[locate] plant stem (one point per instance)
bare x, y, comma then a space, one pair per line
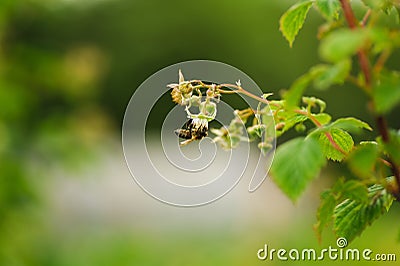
327, 134
239, 89
365, 18
348, 13
384, 132
365, 67
362, 55
366, 70
380, 62
382, 126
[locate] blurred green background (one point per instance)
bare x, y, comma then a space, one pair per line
67, 71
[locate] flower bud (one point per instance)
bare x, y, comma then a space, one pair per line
264, 147
208, 109
300, 127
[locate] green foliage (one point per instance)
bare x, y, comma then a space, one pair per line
330, 198
328, 75
353, 190
386, 92
296, 163
332, 48
384, 5
351, 216
294, 94
322, 118
335, 141
391, 148
343, 144
348, 202
292, 20
52, 103
362, 159
328, 8
325, 211
350, 124
291, 119
352, 203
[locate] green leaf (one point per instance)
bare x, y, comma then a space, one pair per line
325, 211
293, 19
322, 118
383, 39
362, 159
384, 5
343, 43
392, 148
328, 8
351, 217
330, 75
354, 190
292, 121
294, 94
350, 124
386, 92
296, 163
342, 139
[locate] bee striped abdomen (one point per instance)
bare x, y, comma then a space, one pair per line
193, 129
183, 133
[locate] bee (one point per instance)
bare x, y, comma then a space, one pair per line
193, 129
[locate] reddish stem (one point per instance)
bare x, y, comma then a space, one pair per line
366, 70
362, 55
348, 13
239, 89
327, 134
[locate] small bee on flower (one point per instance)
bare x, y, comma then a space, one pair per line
196, 128
193, 129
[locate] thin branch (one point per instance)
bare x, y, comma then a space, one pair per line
382, 127
239, 89
362, 55
383, 57
348, 13
329, 136
365, 18
226, 92
365, 67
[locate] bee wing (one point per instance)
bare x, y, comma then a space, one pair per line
177, 132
